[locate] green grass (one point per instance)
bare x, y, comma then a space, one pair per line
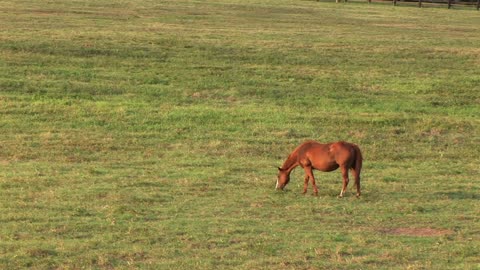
145, 134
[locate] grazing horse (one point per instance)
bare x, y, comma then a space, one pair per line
323, 157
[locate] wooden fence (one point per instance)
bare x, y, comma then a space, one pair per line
421, 3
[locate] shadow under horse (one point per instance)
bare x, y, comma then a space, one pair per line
323, 157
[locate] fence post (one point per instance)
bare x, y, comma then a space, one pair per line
420, 3
478, 4
449, 4
394, 2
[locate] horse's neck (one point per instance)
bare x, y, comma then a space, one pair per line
290, 163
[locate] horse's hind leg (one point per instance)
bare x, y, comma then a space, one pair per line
345, 180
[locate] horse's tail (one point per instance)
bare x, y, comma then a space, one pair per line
357, 167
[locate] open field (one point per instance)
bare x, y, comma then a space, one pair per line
146, 134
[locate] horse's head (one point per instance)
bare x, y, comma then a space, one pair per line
282, 179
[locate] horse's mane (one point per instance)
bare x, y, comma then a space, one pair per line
293, 157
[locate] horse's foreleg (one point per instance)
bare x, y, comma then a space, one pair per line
305, 185
309, 174
345, 180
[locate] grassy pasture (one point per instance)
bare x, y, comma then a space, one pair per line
145, 134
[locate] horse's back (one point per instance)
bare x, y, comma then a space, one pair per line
333, 146
309, 147
331, 149
317, 155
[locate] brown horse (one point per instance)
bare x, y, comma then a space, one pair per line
323, 157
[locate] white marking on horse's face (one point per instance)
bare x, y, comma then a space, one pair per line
276, 186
